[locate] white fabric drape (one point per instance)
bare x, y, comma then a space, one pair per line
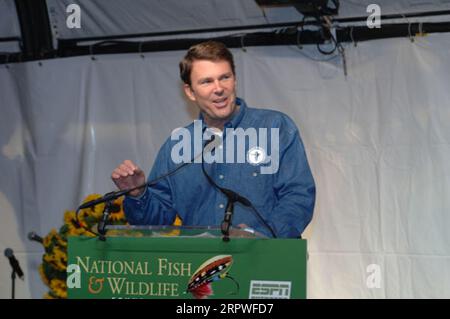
377, 142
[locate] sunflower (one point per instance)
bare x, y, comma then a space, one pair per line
43, 275
59, 288
54, 261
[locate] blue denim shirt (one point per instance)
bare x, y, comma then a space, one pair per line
284, 198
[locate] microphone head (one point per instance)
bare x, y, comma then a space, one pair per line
31, 235
244, 201
9, 252
35, 237
236, 197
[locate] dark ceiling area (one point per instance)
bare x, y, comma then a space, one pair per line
320, 23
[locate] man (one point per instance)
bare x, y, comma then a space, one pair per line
284, 193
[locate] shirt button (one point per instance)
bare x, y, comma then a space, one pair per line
221, 206
221, 176
255, 174
220, 147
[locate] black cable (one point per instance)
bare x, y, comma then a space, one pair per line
233, 196
325, 52
259, 216
326, 34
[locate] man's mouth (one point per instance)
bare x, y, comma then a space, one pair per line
220, 103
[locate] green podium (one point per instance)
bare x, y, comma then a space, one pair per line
181, 262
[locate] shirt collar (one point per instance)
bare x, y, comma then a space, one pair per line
235, 120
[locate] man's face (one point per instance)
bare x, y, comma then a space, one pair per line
213, 89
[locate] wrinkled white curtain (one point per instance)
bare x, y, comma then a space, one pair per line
377, 141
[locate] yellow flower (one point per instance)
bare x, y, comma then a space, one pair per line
117, 216
52, 260
91, 197
42, 274
178, 221
175, 232
55, 243
48, 296
74, 231
97, 210
59, 288
47, 240
60, 259
62, 242
69, 217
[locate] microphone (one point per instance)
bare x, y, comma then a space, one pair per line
235, 196
14, 262
35, 237
109, 208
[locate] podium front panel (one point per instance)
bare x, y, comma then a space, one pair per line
173, 267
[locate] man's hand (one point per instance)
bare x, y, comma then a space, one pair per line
128, 175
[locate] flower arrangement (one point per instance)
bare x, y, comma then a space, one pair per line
54, 260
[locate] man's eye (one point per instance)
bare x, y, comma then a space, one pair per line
205, 82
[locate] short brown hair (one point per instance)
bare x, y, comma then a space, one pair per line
209, 50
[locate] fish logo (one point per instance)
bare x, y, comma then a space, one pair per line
256, 155
214, 269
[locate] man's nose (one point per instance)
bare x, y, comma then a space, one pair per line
218, 89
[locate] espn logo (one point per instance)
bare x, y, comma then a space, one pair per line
260, 289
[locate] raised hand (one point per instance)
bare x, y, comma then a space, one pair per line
128, 175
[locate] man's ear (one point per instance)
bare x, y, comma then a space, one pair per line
189, 92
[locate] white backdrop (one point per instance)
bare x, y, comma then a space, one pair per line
377, 142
